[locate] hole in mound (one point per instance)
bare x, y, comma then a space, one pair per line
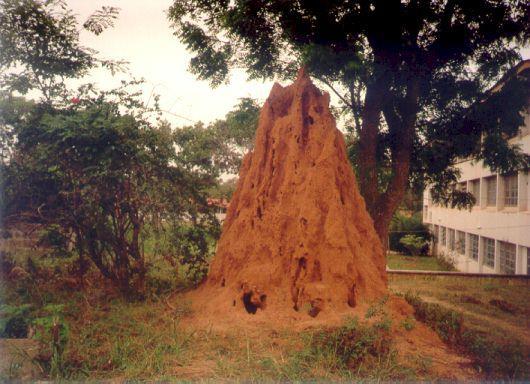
251, 306
302, 262
223, 282
351, 297
316, 307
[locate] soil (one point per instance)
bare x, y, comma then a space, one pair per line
414, 346
297, 237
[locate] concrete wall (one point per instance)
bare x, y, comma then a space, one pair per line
502, 223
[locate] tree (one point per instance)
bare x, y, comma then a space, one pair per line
219, 147
40, 48
412, 75
104, 177
92, 165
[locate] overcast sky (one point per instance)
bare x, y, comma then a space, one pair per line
142, 35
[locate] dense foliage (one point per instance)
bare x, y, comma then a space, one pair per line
412, 76
97, 170
403, 225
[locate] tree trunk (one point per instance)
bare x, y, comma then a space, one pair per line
368, 143
382, 206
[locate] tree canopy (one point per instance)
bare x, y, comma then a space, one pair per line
412, 75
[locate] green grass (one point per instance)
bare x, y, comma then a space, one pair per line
418, 263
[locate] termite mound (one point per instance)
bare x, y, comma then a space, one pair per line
297, 234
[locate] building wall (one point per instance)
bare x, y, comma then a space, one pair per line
508, 226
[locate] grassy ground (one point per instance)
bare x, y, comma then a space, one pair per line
418, 263
497, 310
107, 337
94, 334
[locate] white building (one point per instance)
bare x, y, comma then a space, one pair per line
494, 236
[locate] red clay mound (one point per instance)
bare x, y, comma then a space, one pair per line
297, 234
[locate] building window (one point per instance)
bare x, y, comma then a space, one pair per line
473, 247
510, 190
475, 190
436, 234
442, 236
491, 191
507, 258
461, 242
451, 239
489, 252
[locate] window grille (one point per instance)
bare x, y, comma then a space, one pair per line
489, 252
507, 258
473, 247
475, 190
451, 238
510, 191
491, 192
528, 261
461, 242
442, 236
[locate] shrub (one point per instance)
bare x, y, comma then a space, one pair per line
14, 321
401, 226
413, 243
353, 344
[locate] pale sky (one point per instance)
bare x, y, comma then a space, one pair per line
142, 35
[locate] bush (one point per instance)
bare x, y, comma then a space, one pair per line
14, 321
413, 243
401, 226
354, 343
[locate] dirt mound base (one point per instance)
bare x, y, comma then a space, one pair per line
297, 234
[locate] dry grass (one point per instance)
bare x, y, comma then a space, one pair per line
495, 311
111, 338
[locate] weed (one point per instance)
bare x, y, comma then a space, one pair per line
14, 320
357, 349
377, 308
423, 364
446, 262
52, 332
447, 323
408, 323
469, 299
504, 306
